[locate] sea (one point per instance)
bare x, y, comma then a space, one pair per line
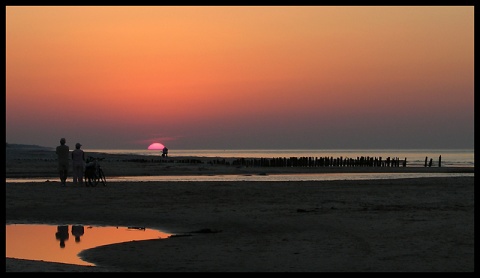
414, 157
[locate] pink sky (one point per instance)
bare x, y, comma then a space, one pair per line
230, 77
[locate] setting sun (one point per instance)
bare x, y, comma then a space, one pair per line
156, 146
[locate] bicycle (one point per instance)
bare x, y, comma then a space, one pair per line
94, 172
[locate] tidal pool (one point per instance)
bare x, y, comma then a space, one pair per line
63, 243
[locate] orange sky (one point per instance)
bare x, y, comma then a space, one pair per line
240, 77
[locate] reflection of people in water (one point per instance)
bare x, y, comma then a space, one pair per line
62, 234
77, 232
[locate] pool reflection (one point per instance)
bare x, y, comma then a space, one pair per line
63, 243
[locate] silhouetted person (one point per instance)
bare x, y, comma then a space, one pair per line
440, 161
78, 163
62, 235
431, 161
426, 158
77, 232
165, 152
62, 152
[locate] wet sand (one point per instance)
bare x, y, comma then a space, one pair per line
424, 224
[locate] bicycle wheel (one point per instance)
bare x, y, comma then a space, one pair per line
90, 178
101, 177
92, 181
96, 177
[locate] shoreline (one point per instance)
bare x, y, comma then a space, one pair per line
257, 177
22, 163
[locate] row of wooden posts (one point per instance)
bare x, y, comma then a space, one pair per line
322, 162
431, 161
305, 162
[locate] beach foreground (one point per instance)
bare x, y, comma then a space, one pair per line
424, 224
378, 225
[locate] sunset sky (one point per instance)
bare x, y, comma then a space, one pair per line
240, 77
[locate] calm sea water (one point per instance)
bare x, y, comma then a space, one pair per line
415, 157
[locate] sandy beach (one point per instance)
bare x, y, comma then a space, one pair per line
397, 225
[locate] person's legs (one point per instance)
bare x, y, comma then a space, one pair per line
63, 174
80, 174
63, 177
75, 174
60, 173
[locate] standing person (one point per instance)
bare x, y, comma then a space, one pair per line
62, 152
78, 163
